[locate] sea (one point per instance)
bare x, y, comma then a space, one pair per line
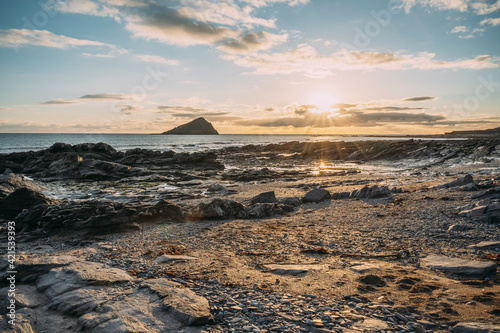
18, 142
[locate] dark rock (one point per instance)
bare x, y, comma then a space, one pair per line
267, 197
9, 182
89, 217
373, 280
217, 209
199, 126
163, 211
317, 195
260, 210
20, 199
292, 201
458, 182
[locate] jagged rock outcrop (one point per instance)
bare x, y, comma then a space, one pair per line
199, 126
100, 161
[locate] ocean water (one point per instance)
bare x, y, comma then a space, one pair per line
17, 142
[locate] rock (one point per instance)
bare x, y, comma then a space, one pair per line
199, 126
293, 201
28, 270
267, 197
88, 217
372, 325
216, 188
20, 199
372, 192
458, 227
476, 328
292, 269
260, 210
316, 195
475, 212
461, 267
78, 274
9, 182
458, 182
373, 280
163, 211
488, 245
166, 258
217, 209
183, 303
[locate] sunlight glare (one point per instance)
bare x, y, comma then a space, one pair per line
323, 100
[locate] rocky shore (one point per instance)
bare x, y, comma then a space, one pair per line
382, 236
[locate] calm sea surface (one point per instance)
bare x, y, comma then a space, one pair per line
24, 142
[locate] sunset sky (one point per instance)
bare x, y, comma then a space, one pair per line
250, 66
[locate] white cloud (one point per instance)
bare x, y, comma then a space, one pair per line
491, 21
479, 7
306, 60
156, 59
14, 38
459, 29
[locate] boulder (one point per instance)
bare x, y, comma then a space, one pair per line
260, 210
316, 195
20, 199
266, 197
163, 211
468, 179
217, 209
461, 267
9, 182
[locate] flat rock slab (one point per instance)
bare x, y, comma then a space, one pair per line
166, 258
363, 267
292, 269
466, 268
485, 245
476, 328
187, 307
372, 325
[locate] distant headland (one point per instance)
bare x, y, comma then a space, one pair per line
199, 126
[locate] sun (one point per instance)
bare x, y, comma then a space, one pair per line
323, 100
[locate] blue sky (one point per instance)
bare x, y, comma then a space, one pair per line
250, 66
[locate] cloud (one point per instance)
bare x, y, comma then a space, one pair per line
14, 38
59, 102
252, 42
479, 7
128, 109
459, 29
419, 99
491, 21
302, 117
4, 109
262, 3
90, 97
89, 55
305, 59
176, 108
156, 59
393, 108
106, 96
225, 24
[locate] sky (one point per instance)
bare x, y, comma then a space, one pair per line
250, 66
